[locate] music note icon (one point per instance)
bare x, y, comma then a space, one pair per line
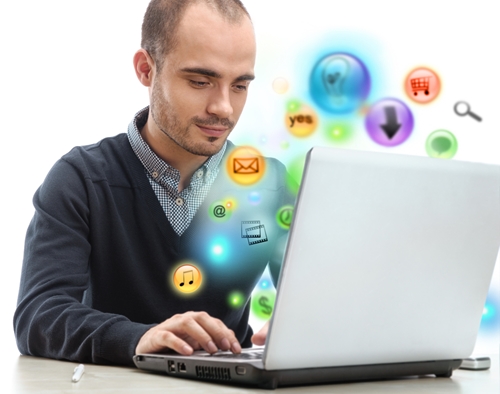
184, 279
187, 278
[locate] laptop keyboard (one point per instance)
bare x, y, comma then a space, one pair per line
256, 355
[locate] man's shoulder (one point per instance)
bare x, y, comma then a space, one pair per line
109, 158
102, 149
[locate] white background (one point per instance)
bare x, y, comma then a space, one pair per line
67, 79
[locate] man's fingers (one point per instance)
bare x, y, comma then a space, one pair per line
172, 341
223, 337
187, 332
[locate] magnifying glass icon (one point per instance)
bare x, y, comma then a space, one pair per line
463, 109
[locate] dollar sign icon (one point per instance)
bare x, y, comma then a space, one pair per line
266, 309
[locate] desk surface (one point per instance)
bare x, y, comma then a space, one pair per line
43, 376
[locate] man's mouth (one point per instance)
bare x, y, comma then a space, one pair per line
213, 131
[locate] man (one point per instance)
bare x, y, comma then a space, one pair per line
118, 221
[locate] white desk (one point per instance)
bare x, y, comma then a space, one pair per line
43, 376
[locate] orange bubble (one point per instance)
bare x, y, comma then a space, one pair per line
187, 278
301, 123
245, 165
422, 85
280, 85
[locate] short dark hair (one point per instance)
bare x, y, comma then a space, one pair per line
162, 19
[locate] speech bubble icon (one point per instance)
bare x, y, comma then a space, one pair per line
441, 144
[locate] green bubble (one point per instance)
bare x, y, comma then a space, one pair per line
295, 170
285, 145
293, 106
236, 299
441, 144
284, 216
338, 132
262, 304
219, 211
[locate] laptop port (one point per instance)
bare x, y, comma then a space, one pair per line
171, 366
181, 367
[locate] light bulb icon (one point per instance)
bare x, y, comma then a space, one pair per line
335, 73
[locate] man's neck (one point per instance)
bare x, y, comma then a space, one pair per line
172, 154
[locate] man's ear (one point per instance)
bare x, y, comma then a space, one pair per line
144, 67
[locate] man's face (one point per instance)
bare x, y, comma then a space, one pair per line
201, 90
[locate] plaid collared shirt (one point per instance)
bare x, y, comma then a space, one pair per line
180, 207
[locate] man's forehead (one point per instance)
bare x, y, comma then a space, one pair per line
208, 41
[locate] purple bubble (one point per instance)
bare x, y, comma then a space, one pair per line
389, 122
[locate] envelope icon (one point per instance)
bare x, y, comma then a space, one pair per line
246, 165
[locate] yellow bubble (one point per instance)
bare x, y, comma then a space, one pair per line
280, 85
187, 278
301, 123
245, 165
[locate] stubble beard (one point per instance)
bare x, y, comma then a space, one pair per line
169, 124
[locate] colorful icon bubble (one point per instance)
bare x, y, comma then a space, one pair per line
187, 278
236, 299
262, 304
422, 85
340, 83
280, 85
338, 132
245, 165
284, 216
301, 122
221, 210
389, 122
441, 144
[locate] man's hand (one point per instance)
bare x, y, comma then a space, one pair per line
259, 338
187, 332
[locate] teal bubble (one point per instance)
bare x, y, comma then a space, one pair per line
441, 144
262, 304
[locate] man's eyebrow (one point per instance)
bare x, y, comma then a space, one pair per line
213, 74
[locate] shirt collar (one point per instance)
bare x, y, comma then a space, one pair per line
154, 165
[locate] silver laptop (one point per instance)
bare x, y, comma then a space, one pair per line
385, 274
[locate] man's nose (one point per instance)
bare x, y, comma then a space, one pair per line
220, 104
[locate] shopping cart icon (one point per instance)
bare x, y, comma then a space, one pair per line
420, 85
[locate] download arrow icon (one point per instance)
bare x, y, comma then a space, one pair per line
391, 125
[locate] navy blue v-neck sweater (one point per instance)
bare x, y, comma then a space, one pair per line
100, 255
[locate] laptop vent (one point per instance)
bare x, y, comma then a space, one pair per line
213, 373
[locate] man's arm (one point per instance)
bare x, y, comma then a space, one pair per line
50, 319
53, 320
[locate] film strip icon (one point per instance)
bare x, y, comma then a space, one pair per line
253, 231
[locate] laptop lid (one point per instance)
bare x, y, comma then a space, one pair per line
389, 260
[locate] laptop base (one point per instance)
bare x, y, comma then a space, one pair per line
246, 374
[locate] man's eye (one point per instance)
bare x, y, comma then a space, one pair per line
240, 88
198, 84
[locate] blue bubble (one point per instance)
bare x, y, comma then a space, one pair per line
340, 83
264, 284
254, 198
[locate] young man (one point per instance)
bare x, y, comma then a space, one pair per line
124, 228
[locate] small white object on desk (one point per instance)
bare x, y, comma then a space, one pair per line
77, 373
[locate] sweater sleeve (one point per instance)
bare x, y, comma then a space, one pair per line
52, 319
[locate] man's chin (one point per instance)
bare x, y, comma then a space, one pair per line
207, 149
